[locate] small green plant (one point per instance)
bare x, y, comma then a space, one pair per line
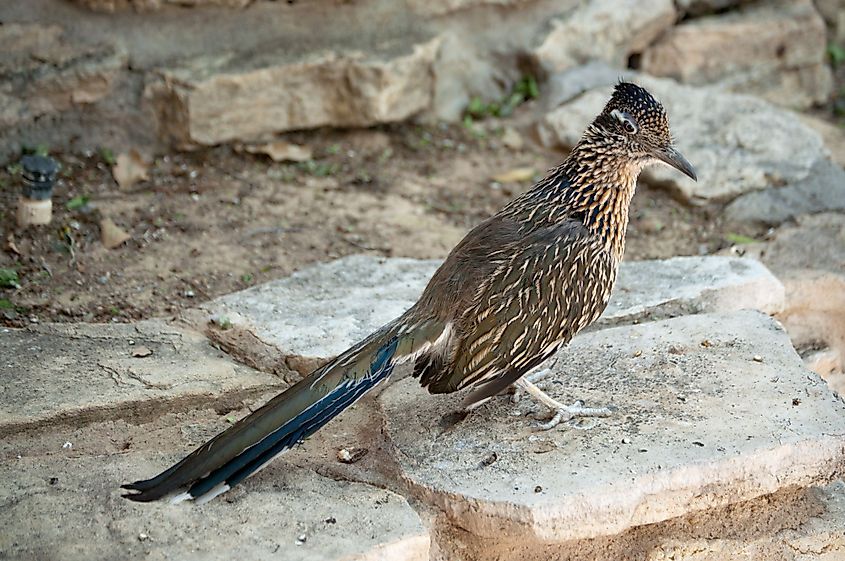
6, 304
526, 88
9, 278
107, 155
247, 278
77, 202
739, 239
836, 53
38, 150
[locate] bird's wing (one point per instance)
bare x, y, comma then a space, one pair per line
551, 286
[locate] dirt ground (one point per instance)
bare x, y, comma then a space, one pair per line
215, 221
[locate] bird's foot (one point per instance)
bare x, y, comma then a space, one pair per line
561, 412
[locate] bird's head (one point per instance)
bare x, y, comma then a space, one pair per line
637, 124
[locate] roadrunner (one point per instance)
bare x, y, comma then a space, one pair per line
519, 286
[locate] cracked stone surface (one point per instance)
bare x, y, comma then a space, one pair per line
291, 513
711, 410
80, 373
322, 310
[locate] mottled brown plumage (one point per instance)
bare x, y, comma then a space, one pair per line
515, 289
525, 281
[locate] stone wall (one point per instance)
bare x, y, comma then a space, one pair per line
155, 74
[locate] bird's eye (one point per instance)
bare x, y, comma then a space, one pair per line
626, 120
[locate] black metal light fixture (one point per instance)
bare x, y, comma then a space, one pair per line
38, 174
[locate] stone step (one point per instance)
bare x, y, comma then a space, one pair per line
286, 513
710, 410
210, 100
320, 311
81, 373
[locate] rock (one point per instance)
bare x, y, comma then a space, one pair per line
833, 136
112, 6
648, 290
699, 7
833, 12
775, 50
445, 7
562, 87
302, 516
320, 311
810, 260
213, 100
80, 373
603, 30
737, 143
822, 190
708, 427
42, 76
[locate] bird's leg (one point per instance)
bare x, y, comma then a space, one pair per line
562, 412
534, 377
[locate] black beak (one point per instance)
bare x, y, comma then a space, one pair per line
675, 159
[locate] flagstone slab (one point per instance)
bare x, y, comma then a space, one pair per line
70, 508
709, 410
81, 373
320, 311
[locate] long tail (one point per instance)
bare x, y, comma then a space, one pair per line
301, 410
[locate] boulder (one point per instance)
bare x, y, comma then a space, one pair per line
603, 30
710, 410
209, 100
775, 50
738, 144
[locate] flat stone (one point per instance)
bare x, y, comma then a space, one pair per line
603, 30
210, 100
320, 311
738, 144
710, 410
81, 373
648, 290
776, 50
284, 513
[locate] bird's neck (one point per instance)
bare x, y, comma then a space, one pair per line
595, 185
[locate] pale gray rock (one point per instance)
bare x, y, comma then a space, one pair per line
775, 50
710, 410
822, 190
565, 86
737, 143
209, 100
319, 312
648, 290
80, 373
286, 512
604, 30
